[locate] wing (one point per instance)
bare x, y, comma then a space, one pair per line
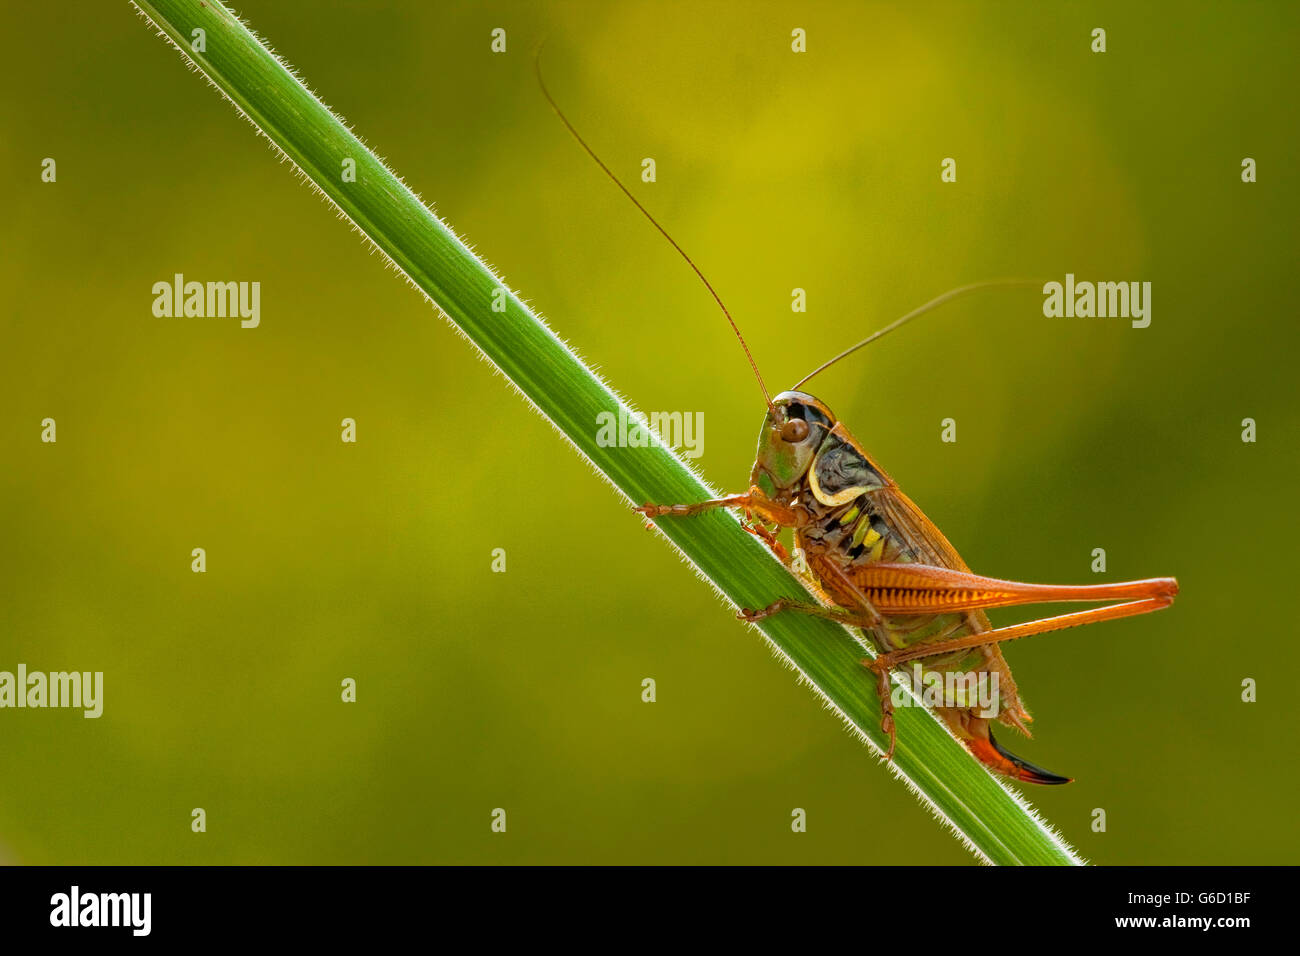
922, 538
927, 545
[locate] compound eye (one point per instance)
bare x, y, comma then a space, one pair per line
795, 430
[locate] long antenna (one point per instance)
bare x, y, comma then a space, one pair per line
537, 65
916, 313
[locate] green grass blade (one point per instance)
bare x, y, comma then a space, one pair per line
994, 823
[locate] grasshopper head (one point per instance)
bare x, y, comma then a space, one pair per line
791, 434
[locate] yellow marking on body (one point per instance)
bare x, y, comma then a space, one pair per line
864, 534
835, 500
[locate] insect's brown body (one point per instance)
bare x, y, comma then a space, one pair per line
882, 566
846, 545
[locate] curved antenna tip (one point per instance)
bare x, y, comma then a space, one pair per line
917, 313
537, 65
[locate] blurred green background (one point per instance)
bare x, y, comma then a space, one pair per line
522, 690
